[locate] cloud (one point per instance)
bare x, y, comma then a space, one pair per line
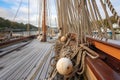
22, 15
5, 13
117, 8
115, 4
52, 20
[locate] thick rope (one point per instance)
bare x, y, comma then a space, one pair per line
109, 21
70, 52
110, 6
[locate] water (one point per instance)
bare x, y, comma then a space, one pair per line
25, 33
118, 36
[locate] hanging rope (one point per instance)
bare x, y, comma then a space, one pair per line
78, 19
12, 23
113, 11
109, 21
71, 52
100, 19
39, 15
28, 25
17, 10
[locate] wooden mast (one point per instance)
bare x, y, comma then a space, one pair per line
44, 22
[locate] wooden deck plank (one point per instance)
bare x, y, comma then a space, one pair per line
9, 56
39, 68
19, 65
14, 55
14, 67
26, 73
14, 58
12, 48
21, 69
49, 66
39, 73
45, 68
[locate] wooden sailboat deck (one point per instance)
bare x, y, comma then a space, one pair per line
30, 61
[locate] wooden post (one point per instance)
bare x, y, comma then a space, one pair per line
44, 23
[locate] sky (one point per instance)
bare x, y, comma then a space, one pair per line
8, 10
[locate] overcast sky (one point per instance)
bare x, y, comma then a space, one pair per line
8, 9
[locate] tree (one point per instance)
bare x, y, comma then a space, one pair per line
5, 23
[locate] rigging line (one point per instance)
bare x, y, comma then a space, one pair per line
65, 17
28, 26
88, 21
92, 15
73, 16
37, 6
49, 13
61, 14
56, 12
101, 21
96, 17
17, 10
68, 17
39, 15
110, 6
109, 21
60, 23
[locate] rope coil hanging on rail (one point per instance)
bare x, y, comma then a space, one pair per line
75, 54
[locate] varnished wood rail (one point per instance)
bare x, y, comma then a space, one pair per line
101, 70
10, 42
109, 48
